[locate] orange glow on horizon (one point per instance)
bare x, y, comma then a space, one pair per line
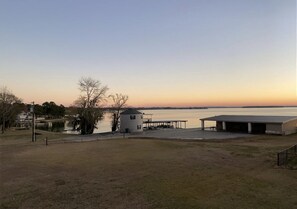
178, 100
188, 103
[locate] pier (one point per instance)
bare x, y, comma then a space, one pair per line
149, 124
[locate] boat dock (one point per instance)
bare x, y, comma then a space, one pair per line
150, 124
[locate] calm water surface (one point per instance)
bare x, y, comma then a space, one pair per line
193, 116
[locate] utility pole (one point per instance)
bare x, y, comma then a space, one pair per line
33, 122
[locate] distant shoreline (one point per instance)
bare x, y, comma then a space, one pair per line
200, 108
190, 108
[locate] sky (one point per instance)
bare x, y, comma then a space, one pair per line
158, 52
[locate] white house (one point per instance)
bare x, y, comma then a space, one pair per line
131, 121
24, 116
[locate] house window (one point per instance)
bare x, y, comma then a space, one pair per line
138, 127
132, 117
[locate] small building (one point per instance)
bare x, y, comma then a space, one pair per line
23, 116
131, 121
282, 125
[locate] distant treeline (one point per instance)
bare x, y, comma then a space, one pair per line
266, 106
70, 110
189, 108
161, 108
47, 109
164, 108
53, 111
170, 108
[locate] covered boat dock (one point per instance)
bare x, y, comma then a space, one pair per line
254, 124
149, 124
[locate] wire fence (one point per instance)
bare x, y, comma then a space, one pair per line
284, 156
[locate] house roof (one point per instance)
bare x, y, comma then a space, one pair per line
251, 118
130, 111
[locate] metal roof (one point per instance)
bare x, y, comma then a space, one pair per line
252, 118
130, 111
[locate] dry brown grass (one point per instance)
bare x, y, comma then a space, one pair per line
143, 173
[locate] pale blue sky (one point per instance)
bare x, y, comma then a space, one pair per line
173, 52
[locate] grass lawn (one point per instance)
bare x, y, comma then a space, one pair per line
143, 173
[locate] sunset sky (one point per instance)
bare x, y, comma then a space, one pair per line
158, 52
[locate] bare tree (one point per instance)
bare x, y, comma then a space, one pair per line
88, 103
119, 102
7, 107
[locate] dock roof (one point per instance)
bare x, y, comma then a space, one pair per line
251, 118
130, 111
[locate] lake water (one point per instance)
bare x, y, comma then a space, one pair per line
193, 116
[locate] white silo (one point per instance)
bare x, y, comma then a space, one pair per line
131, 121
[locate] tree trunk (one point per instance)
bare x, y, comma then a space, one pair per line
86, 126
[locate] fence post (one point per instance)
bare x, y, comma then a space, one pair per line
46, 141
278, 164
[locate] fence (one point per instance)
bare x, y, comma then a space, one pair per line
285, 155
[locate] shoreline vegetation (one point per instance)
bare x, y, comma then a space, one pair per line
144, 173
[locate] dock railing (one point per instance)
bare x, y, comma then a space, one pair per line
284, 156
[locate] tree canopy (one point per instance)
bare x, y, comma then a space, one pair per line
119, 102
93, 94
51, 110
8, 108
